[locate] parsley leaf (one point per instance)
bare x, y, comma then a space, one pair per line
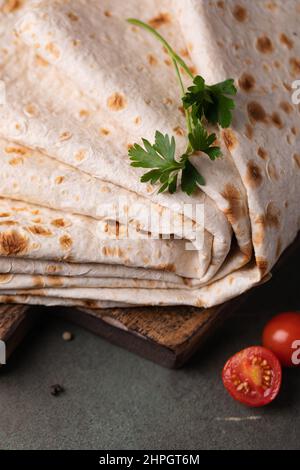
196, 95
202, 103
160, 157
165, 169
212, 102
200, 140
191, 178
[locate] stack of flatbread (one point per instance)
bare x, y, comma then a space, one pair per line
79, 86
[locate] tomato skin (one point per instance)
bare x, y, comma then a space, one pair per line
279, 335
244, 376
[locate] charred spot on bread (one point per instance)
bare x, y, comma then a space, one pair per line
13, 243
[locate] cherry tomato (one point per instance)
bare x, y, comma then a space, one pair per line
282, 336
253, 376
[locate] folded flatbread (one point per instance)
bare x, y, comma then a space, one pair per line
81, 86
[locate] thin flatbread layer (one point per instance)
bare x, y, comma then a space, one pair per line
49, 86
34, 232
253, 190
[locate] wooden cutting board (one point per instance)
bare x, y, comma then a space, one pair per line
166, 335
15, 323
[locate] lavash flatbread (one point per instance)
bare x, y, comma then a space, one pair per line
58, 302
38, 233
75, 96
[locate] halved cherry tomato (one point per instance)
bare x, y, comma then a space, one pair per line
253, 376
282, 336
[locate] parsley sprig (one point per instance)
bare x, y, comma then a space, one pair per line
203, 104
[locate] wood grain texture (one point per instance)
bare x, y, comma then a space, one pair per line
165, 335
15, 322
170, 327
10, 317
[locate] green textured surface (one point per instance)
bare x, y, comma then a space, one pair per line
115, 400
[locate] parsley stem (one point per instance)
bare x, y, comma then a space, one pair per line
176, 61
187, 111
175, 57
202, 104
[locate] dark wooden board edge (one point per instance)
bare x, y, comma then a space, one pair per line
196, 341
171, 357
21, 319
144, 346
119, 337
15, 323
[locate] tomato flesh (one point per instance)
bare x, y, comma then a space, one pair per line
282, 336
253, 376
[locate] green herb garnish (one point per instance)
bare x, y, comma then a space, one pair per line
203, 104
